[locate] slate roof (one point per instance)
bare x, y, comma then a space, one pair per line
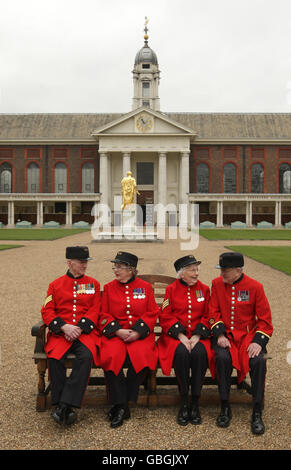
206, 125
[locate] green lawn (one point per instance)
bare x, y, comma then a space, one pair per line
9, 247
252, 234
38, 234
278, 257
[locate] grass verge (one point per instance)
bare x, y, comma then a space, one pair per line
38, 234
237, 234
278, 257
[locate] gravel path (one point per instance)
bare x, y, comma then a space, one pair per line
25, 275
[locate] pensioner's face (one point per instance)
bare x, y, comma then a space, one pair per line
122, 272
190, 274
77, 267
230, 275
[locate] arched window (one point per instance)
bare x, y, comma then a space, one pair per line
88, 178
229, 178
5, 178
285, 178
257, 177
60, 178
202, 178
33, 178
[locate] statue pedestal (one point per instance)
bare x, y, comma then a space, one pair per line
128, 220
127, 230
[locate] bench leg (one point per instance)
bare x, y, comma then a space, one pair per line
41, 399
152, 389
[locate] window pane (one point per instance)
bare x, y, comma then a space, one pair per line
88, 178
285, 179
60, 178
6, 178
146, 89
257, 178
33, 176
229, 179
202, 178
145, 173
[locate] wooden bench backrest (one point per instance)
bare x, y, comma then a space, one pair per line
159, 284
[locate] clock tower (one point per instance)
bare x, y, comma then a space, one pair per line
146, 77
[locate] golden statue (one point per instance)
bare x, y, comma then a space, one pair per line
128, 190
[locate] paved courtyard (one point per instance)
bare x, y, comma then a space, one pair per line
25, 275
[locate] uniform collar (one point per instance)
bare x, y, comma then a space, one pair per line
68, 273
239, 279
127, 282
185, 283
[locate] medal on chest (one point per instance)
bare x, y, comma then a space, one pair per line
139, 293
85, 289
243, 296
199, 296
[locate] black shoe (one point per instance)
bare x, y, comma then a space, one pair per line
70, 416
183, 417
257, 425
112, 412
224, 417
59, 413
121, 413
195, 417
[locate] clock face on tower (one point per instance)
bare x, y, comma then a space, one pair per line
144, 122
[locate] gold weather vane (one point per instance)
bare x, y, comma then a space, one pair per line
146, 29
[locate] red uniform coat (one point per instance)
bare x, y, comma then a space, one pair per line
185, 309
129, 306
73, 301
241, 311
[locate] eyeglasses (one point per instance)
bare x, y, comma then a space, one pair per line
114, 268
193, 270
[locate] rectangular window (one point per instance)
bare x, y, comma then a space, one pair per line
6, 154
146, 104
146, 89
145, 66
145, 172
33, 154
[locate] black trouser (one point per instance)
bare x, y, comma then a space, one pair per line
197, 361
224, 369
70, 390
122, 389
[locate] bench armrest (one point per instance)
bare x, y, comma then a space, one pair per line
39, 331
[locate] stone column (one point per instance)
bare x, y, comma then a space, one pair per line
162, 189
184, 189
184, 178
249, 214
10, 223
69, 214
39, 213
126, 164
104, 189
278, 218
219, 214
103, 182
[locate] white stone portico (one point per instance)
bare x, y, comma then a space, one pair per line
145, 135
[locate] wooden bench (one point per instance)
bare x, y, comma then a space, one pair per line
158, 389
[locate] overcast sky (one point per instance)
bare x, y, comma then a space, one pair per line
77, 55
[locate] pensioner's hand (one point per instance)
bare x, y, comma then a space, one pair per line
71, 332
194, 340
184, 340
254, 350
223, 341
123, 333
133, 336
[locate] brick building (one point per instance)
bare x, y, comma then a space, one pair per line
237, 166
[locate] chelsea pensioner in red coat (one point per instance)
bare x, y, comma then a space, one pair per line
71, 312
184, 343
128, 316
